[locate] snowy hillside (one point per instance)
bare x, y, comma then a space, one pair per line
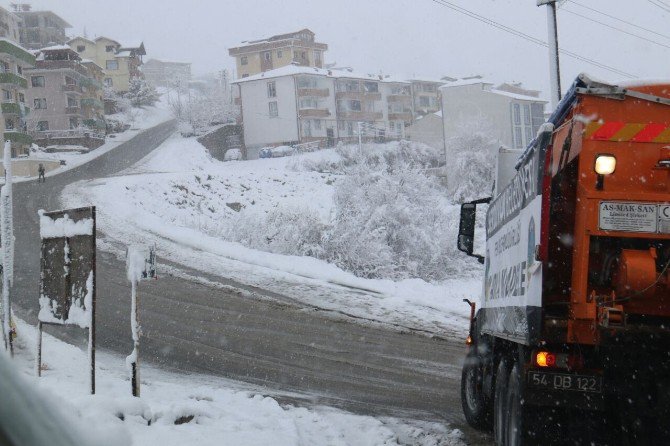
277, 224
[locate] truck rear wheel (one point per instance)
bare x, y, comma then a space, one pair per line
521, 426
500, 403
476, 405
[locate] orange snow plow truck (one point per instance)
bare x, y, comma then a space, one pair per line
571, 340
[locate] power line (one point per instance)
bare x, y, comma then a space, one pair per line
618, 19
529, 38
662, 6
615, 28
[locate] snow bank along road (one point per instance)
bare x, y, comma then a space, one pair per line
211, 329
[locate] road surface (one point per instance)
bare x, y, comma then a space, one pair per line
270, 343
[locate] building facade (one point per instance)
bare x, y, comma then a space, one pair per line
513, 118
167, 74
39, 29
14, 62
9, 25
295, 105
297, 48
119, 63
66, 98
426, 95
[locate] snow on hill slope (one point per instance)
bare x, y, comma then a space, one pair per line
188, 203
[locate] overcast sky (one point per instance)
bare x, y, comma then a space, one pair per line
405, 37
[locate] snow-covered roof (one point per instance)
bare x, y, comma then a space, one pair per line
463, 82
126, 53
291, 70
430, 80
55, 48
520, 97
80, 38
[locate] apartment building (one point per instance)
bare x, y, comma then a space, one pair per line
120, 63
257, 56
39, 29
66, 97
426, 94
14, 61
513, 114
167, 74
297, 104
9, 25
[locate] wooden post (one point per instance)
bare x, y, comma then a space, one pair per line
135, 365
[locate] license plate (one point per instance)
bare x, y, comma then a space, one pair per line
564, 381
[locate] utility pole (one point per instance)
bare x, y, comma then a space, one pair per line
554, 67
6, 227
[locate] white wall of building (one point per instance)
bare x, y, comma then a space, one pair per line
261, 129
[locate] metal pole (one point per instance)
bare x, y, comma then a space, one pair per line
135, 366
91, 329
7, 241
360, 139
38, 357
554, 66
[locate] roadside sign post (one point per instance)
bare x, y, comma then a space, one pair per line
7, 239
140, 264
68, 276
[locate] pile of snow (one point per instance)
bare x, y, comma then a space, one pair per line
296, 226
177, 409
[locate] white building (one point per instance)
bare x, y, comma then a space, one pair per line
297, 104
512, 113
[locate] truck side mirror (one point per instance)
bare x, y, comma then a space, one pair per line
466, 228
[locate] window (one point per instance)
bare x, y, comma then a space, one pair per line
317, 124
37, 81
244, 60
371, 87
112, 64
19, 69
526, 114
273, 110
81, 48
518, 142
308, 103
279, 54
71, 102
272, 90
42, 126
9, 124
245, 75
40, 103
517, 114
22, 97
266, 56
108, 82
317, 57
354, 105
424, 101
74, 122
108, 48
6, 95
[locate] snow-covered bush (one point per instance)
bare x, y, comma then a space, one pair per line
202, 108
471, 161
284, 230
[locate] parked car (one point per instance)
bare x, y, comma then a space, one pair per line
265, 152
232, 155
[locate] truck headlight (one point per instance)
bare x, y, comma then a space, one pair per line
605, 164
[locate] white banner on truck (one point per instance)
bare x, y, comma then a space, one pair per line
513, 276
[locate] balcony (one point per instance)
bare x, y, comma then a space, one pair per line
400, 116
315, 92
314, 112
89, 82
91, 102
360, 115
406, 98
11, 108
6, 47
13, 79
359, 95
17, 137
72, 110
72, 88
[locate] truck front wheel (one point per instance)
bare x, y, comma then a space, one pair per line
476, 405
